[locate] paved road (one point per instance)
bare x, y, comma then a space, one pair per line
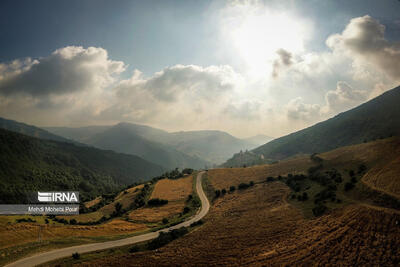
65, 252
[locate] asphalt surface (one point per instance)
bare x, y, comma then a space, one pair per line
68, 251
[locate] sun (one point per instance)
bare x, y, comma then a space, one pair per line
256, 33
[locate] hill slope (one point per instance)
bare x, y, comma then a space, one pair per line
30, 164
209, 146
378, 118
30, 130
122, 138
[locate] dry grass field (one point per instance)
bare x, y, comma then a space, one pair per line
257, 227
125, 198
224, 178
20, 233
175, 191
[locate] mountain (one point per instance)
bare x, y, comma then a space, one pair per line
80, 134
258, 140
214, 146
197, 148
124, 138
30, 130
375, 119
30, 164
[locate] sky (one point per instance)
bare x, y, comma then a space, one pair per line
245, 67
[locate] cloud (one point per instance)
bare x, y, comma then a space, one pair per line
284, 60
66, 70
343, 97
173, 82
298, 110
363, 39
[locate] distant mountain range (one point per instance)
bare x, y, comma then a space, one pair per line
30, 164
375, 119
195, 149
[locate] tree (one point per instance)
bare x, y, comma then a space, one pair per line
223, 191
118, 207
348, 186
305, 196
232, 188
251, 183
76, 256
217, 193
165, 221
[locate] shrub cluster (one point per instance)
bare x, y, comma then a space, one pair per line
166, 237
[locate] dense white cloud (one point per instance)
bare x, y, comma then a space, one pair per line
66, 70
363, 39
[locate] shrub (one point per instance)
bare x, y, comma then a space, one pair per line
186, 210
319, 209
165, 221
351, 173
361, 168
157, 202
353, 180
251, 183
270, 179
133, 249
76, 256
72, 222
348, 186
199, 222
166, 237
305, 196
243, 186
217, 193
232, 188
223, 191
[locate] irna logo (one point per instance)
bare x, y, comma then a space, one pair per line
58, 197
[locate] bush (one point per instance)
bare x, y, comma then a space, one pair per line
72, 222
243, 186
305, 196
165, 221
319, 210
199, 222
351, 173
232, 188
223, 191
217, 193
157, 202
348, 186
353, 180
76, 256
133, 249
270, 179
166, 237
186, 210
251, 183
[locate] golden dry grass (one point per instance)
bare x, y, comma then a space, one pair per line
224, 178
173, 189
92, 202
19, 233
124, 198
256, 227
156, 214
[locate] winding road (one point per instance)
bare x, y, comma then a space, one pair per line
66, 252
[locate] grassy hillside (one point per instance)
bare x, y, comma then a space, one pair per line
31, 164
378, 118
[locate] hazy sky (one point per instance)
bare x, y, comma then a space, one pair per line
246, 67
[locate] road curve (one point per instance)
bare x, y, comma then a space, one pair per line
65, 252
